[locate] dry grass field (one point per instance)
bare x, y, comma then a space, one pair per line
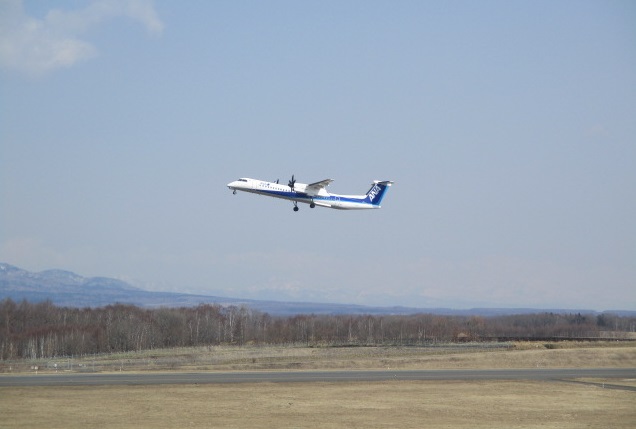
566, 354
400, 404
322, 405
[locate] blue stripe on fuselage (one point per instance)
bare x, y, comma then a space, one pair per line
305, 198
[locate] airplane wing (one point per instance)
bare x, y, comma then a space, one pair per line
319, 185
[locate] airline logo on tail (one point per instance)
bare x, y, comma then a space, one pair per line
374, 192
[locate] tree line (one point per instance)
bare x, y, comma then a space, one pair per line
44, 330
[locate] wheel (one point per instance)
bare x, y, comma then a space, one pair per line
295, 208
312, 205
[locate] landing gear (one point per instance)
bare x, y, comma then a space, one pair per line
295, 206
234, 192
312, 205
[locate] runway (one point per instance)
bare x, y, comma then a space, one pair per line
141, 379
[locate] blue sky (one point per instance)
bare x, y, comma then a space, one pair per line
508, 127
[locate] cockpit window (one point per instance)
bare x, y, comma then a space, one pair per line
242, 180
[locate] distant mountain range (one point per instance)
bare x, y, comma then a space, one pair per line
65, 288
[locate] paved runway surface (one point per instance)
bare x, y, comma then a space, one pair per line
75, 379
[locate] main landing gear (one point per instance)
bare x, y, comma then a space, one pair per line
312, 205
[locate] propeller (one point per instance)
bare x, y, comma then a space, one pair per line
292, 182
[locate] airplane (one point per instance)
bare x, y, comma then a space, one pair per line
314, 194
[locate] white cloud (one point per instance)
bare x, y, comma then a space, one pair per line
38, 46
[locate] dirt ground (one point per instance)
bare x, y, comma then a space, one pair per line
400, 404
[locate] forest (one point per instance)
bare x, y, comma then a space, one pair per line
43, 330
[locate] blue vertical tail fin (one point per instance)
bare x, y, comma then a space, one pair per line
377, 192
